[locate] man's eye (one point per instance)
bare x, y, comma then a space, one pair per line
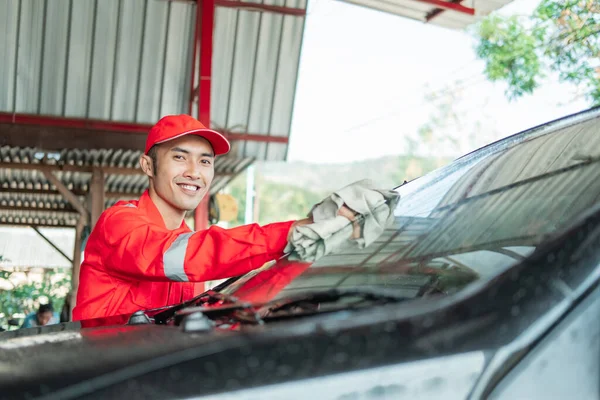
206, 162
179, 158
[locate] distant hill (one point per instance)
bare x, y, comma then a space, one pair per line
387, 172
288, 190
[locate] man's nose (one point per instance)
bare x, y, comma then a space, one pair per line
193, 171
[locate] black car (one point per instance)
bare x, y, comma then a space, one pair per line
486, 285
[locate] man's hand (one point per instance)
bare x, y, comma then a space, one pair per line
347, 212
344, 211
300, 222
350, 214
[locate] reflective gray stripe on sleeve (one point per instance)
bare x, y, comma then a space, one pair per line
174, 258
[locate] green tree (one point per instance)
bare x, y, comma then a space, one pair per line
452, 128
276, 201
561, 36
281, 202
22, 298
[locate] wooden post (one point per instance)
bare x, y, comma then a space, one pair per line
76, 264
97, 195
81, 223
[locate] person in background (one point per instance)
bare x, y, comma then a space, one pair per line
45, 315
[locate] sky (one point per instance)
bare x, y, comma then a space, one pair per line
363, 76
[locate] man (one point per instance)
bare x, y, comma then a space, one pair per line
45, 315
142, 255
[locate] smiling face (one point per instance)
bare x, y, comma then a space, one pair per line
182, 177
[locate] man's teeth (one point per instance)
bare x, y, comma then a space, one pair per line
190, 187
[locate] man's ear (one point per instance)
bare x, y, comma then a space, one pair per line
146, 164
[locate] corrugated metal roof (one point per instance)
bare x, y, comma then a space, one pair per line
427, 11
109, 60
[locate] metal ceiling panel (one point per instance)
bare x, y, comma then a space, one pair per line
54, 73
255, 67
111, 60
8, 48
104, 62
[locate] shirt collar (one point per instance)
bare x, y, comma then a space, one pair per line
148, 206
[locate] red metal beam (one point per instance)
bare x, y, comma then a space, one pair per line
250, 137
75, 123
205, 16
117, 127
450, 6
299, 12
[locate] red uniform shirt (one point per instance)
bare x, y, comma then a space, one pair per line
133, 262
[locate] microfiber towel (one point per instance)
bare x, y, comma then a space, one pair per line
330, 233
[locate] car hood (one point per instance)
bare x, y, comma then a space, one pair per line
105, 362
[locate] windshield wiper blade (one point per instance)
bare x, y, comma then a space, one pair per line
239, 311
205, 299
379, 296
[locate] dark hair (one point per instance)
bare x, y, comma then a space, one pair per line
45, 308
153, 156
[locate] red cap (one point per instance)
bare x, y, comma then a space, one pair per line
174, 126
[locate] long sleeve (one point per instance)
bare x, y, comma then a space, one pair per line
141, 250
267, 284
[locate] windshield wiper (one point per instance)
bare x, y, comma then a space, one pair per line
311, 302
204, 300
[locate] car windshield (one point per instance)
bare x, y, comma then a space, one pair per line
469, 221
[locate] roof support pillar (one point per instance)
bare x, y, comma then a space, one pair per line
81, 223
76, 265
97, 195
205, 16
